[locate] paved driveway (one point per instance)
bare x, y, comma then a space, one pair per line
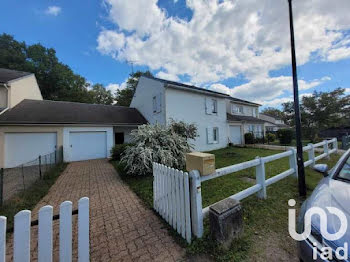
121, 229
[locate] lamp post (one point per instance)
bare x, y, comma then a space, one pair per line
300, 161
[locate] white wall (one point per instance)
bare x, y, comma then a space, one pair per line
66, 142
143, 100
24, 88
190, 107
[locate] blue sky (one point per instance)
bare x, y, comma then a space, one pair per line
237, 47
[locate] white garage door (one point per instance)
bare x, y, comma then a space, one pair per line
235, 135
88, 145
21, 148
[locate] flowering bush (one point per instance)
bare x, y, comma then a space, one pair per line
155, 143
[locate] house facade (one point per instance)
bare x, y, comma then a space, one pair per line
220, 118
272, 124
31, 126
161, 101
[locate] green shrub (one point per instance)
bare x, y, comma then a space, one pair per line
118, 150
249, 138
285, 136
270, 137
154, 143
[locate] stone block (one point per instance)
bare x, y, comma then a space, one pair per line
226, 221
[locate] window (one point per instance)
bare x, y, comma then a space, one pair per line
211, 106
344, 173
214, 106
154, 104
215, 135
251, 128
237, 109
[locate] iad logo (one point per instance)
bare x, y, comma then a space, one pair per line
326, 252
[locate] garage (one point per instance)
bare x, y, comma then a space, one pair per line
235, 135
88, 145
21, 148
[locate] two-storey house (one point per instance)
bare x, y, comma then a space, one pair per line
242, 118
161, 100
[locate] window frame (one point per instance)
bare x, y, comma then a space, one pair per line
214, 106
215, 135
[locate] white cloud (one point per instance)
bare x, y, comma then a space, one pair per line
167, 76
53, 10
226, 38
347, 90
113, 87
262, 90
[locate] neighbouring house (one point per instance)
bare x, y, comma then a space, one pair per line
242, 118
33, 127
337, 132
16, 86
272, 124
220, 118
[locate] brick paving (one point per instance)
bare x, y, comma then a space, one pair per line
121, 227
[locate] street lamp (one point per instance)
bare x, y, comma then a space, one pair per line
300, 161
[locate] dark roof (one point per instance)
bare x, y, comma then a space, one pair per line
277, 118
57, 112
244, 118
168, 82
243, 101
7, 75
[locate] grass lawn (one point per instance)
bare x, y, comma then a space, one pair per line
265, 221
31, 196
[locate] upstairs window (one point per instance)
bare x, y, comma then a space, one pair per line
237, 109
156, 104
211, 106
214, 106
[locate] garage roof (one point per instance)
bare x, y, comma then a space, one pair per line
7, 75
238, 118
57, 112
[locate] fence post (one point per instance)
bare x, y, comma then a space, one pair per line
40, 167
1, 186
293, 161
196, 203
260, 178
326, 148
335, 144
311, 154
3, 221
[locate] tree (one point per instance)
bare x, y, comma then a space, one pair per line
124, 96
56, 80
101, 95
275, 112
320, 111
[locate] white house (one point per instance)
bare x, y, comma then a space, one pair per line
220, 118
160, 100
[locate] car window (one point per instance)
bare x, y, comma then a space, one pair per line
345, 171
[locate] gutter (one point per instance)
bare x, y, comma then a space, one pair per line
7, 102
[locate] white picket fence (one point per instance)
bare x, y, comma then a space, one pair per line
22, 228
171, 196
197, 212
